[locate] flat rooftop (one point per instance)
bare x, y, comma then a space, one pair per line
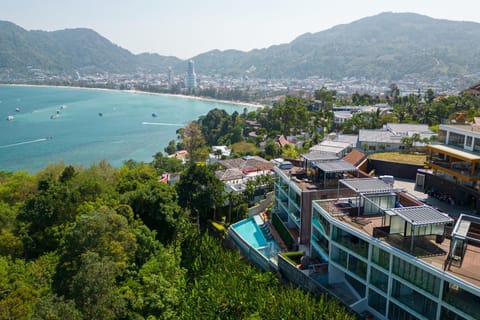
298, 175
425, 247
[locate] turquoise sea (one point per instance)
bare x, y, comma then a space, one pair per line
89, 125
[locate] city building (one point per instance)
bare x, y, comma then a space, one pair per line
454, 165
191, 80
236, 172
170, 77
379, 250
391, 137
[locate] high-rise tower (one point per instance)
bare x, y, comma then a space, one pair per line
170, 77
191, 81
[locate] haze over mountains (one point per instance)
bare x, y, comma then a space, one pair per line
388, 46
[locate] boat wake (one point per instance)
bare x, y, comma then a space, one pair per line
25, 142
162, 124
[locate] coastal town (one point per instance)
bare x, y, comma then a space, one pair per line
336, 176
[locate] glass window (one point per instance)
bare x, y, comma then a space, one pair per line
414, 300
416, 276
378, 279
461, 299
377, 302
456, 139
380, 257
357, 285
450, 315
395, 312
468, 143
322, 222
339, 256
350, 241
476, 144
357, 266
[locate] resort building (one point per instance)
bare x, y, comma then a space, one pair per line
238, 171
390, 137
375, 247
338, 148
454, 165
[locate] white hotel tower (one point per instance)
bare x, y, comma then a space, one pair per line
191, 81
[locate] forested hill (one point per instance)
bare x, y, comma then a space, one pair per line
68, 51
388, 46
385, 46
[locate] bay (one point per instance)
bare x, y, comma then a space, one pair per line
83, 126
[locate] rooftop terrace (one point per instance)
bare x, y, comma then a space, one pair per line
426, 248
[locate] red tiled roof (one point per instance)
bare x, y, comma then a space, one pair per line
355, 157
282, 141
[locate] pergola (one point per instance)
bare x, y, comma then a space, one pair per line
365, 186
419, 220
460, 237
334, 166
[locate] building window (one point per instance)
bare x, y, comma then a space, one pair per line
414, 300
416, 276
469, 141
357, 266
461, 299
357, 285
456, 139
350, 241
321, 222
450, 315
395, 312
377, 302
476, 145
378, 279
340, 257
380, 257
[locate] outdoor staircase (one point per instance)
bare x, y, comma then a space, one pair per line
266, 231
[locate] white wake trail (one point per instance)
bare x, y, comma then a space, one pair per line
24, 142
162, 124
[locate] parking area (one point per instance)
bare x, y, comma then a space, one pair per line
452, 210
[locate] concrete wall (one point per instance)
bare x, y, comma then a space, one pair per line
297, 277
398, 170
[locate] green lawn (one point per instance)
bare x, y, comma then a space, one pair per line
411, 158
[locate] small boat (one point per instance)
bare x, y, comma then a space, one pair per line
154, 115
17, 109
63, 107
10, 118
100, 114
54, 116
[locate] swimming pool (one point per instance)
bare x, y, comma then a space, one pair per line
251, 233
250, 239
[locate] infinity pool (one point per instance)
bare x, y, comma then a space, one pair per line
250, 232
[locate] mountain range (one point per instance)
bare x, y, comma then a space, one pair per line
388, 46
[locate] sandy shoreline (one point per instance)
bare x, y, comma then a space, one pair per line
182, 96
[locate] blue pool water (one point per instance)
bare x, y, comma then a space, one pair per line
250, 232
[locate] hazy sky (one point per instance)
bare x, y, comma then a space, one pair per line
185, 28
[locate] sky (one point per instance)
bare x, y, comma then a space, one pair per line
185, 28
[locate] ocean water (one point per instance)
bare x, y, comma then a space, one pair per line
89, 125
